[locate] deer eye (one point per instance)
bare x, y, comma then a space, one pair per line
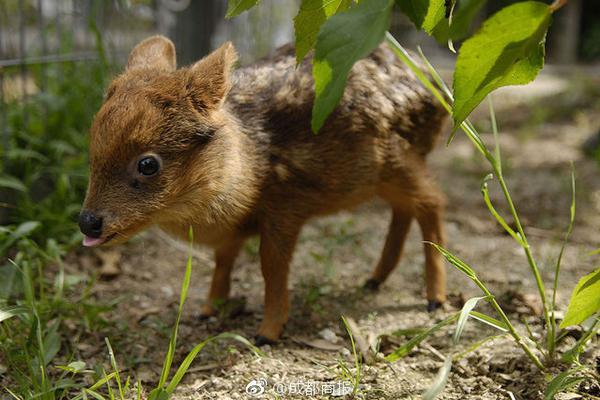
148, 166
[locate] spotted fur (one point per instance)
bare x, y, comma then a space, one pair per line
239, 158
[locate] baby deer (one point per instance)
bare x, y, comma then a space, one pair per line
231, 153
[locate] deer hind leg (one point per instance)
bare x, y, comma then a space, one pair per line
429, 214
392, 250
415, 195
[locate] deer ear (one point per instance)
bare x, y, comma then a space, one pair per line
209, 79
155, 52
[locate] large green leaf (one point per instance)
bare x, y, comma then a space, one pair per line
312, 14
585, 300
507, 50
236, 7
345, 38
428, 15
462, 18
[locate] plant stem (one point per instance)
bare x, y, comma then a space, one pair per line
511, 329
552, 345
532, 264
558, 4
475, 138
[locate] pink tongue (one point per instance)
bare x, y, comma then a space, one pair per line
90, 241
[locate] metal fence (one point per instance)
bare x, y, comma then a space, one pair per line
35, 34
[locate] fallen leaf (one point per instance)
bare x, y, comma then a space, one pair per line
320, 344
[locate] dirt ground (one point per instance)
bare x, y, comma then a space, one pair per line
335, 256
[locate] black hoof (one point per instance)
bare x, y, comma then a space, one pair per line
371, 285
205, 318
260, 340
202, 317
433, 305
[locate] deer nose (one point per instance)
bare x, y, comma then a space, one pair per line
90, 224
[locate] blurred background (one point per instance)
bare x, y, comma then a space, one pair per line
56, 57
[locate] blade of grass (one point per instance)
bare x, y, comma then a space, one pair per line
412, 343
552, 342
439, 383
486, 319
113, 363
563, 381
464, 316
475, 346
102, 381
467, 270
185, 365
357, 365
173, 339
490, 206
494, 124
14, 311
475, 138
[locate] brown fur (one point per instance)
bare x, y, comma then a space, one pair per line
239, 158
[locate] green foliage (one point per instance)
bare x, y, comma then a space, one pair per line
464, 316
585, 300
428, 15
507, 50
417, 339
312, 14
44, 166
36, 328
562, 382
173, 340
43, 181
163, 390
236, 7
345, 38
462, 18
439, 381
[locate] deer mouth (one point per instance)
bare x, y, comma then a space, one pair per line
91, 242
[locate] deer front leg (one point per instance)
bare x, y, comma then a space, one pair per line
277, 244
221, 282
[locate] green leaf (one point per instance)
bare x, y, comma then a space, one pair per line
458, 27
464, 315
561, 382
236, 7
9, 312
507, 50
585, 300
345, 38
456, 262
25, 229
408, 346
73, 367
168, 361
486, 319
11, 182
463, 18
440, 381
311, 15
425, 14
187, 362
51, 344
158, 394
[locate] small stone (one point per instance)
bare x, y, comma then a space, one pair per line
329, 335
